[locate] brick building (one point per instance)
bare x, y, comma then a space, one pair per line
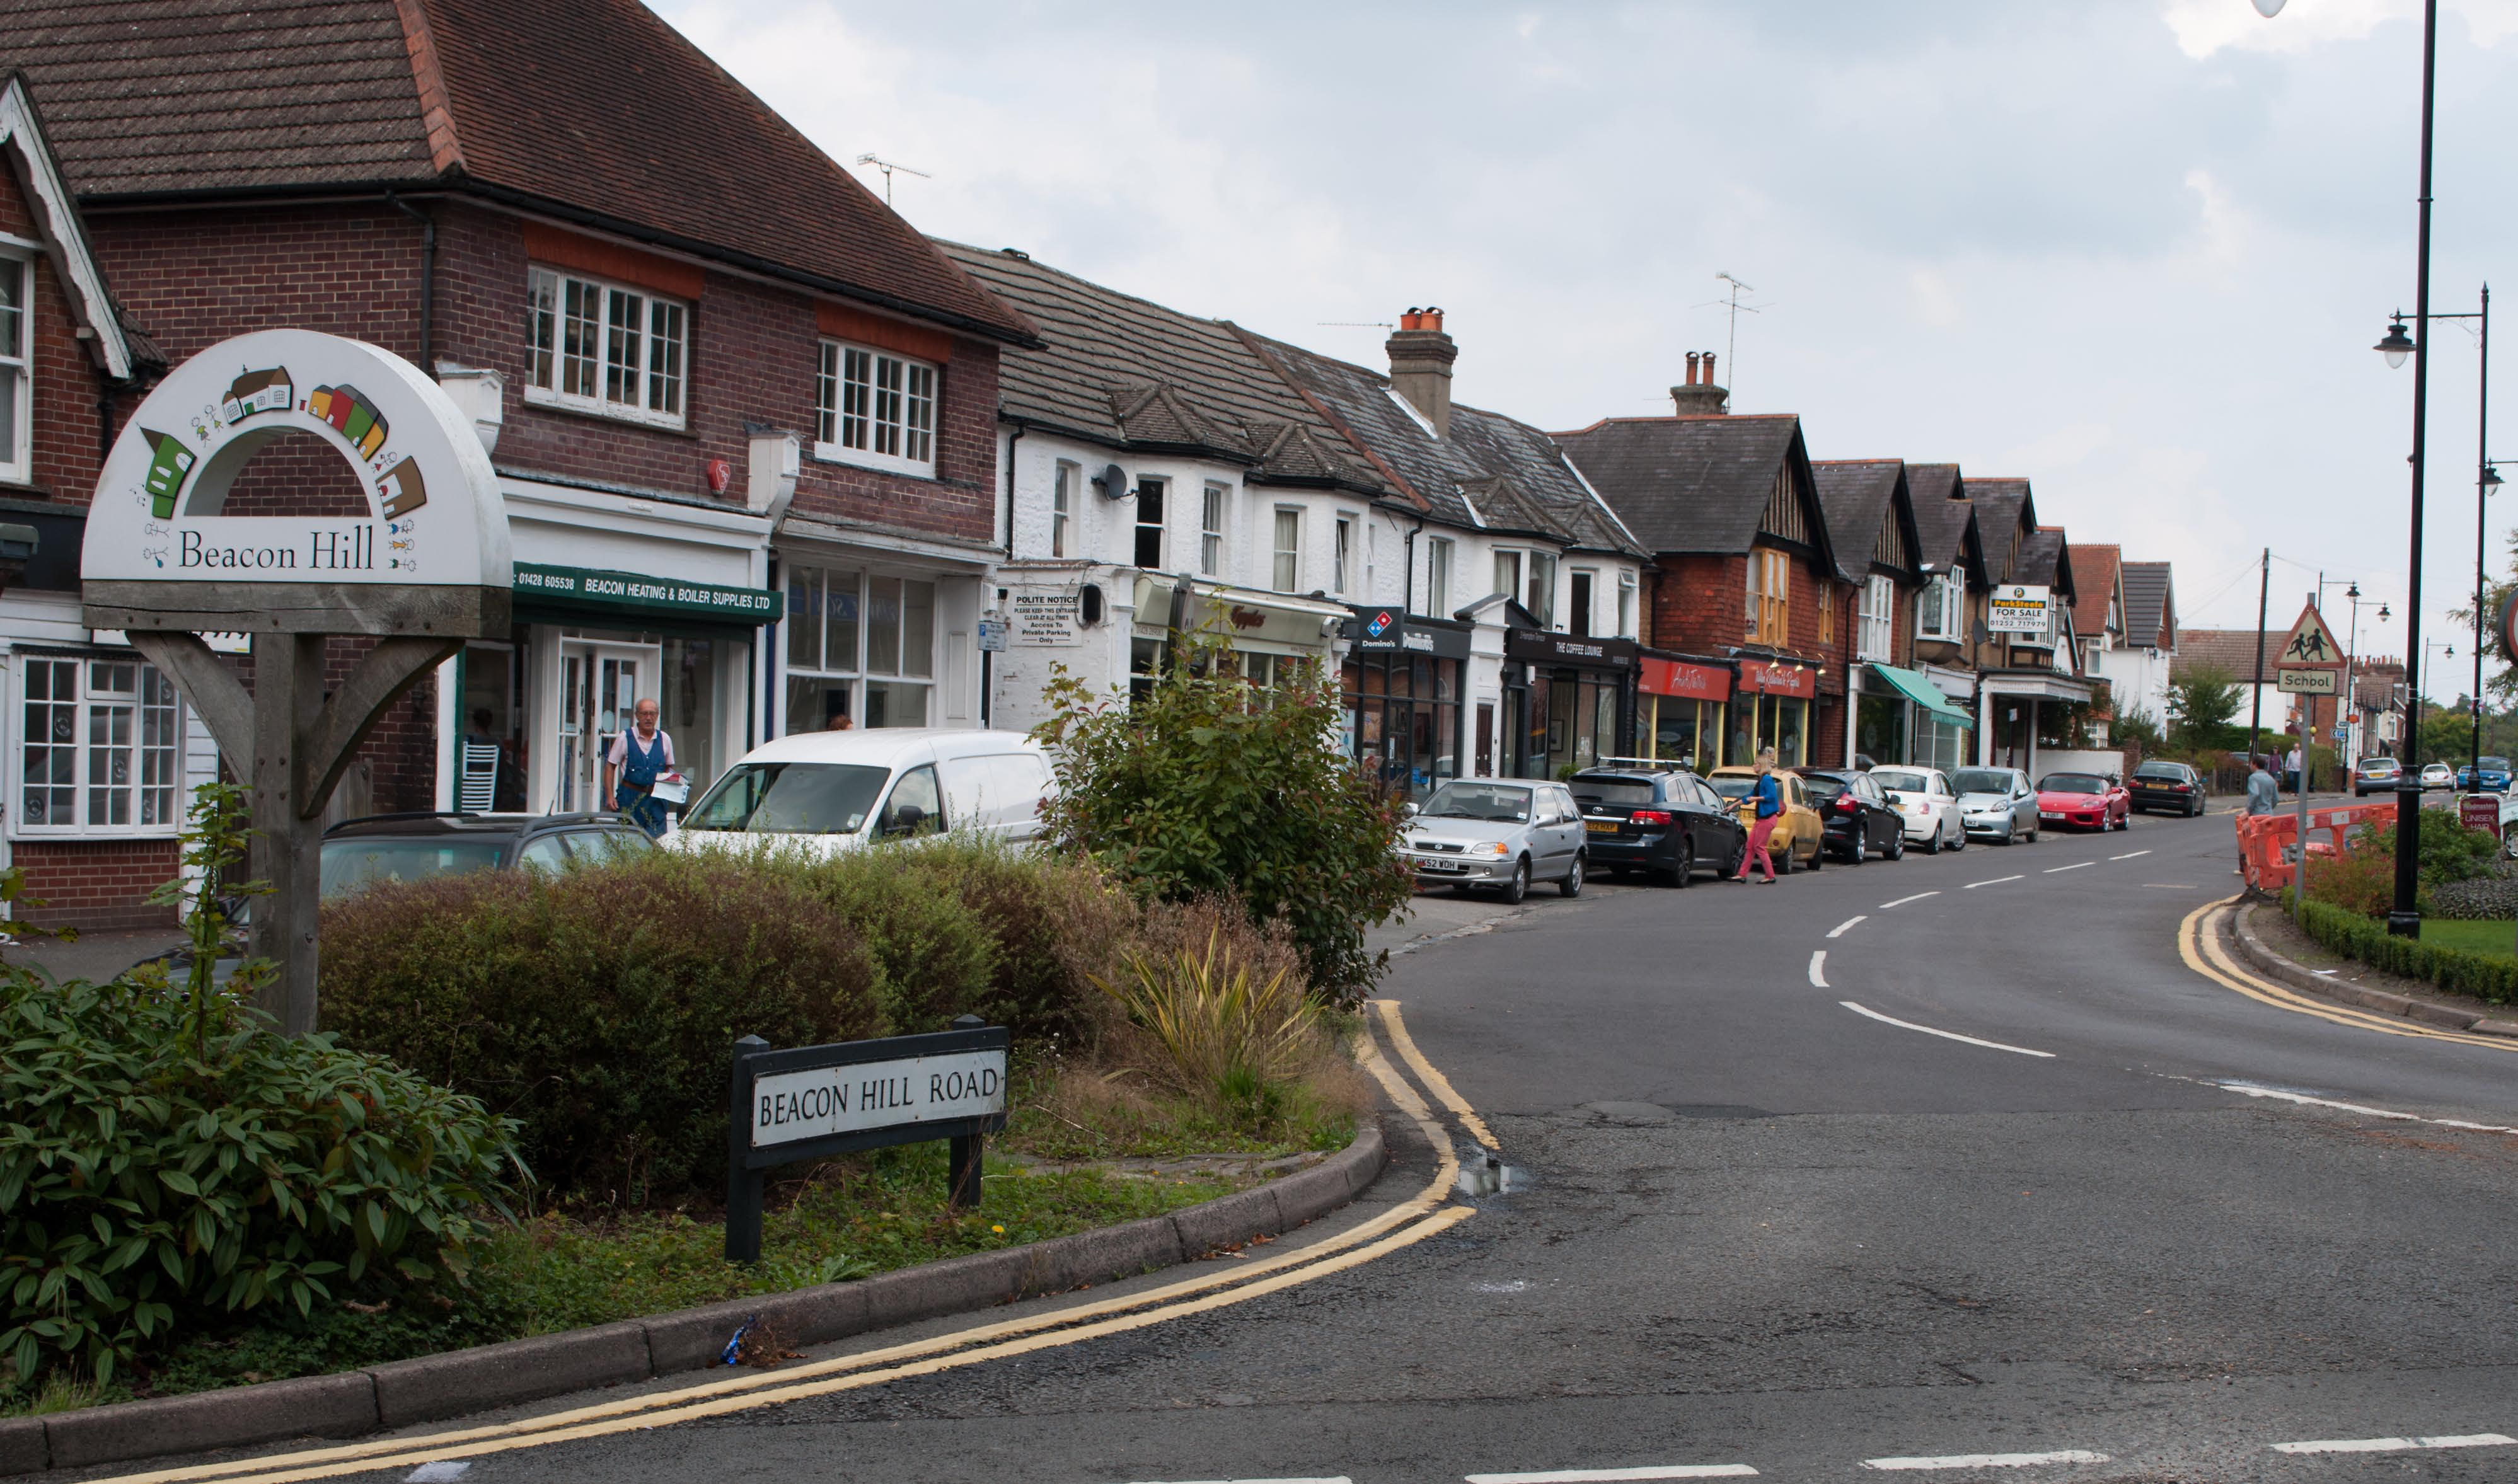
1896, 713
698, 350
2028, 683
1743, 572
97, 749
1949, 604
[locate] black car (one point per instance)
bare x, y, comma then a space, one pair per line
1663, 822
2172, 786
1860, 821
409, 847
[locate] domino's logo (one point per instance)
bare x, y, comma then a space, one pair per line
1379, 623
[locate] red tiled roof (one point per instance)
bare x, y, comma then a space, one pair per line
2230, 651
594, 110
2093, 579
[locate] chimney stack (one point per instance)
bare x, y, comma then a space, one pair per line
1700, 398
1420, 365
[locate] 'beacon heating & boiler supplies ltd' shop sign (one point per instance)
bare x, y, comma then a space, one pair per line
2017, 607
160, 514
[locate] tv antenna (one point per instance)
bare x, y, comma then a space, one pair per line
1731, 302
887, 167
1356, 325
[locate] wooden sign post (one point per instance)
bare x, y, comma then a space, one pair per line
811, 1102
425, 568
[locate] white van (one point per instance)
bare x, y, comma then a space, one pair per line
831, 792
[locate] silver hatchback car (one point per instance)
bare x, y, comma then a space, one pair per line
1498, 834
1996, 804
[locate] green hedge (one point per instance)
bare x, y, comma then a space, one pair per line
2492, 980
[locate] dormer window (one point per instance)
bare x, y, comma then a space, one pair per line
875, 408
605, 348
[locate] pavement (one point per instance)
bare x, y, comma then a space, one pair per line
1950, 1166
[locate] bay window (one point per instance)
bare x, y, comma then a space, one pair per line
101, 748
599, 347
1879, 604
1941, 608
1210, 532
1543, 589
875, 408
1508, 573
1342, 553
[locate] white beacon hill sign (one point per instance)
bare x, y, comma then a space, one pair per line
813, 1104
433, 516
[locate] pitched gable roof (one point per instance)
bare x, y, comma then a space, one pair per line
1492, 471
1129, 373
2005, 516
1944, 519
119, 348
2046, 560
2150, 606
2093, 569
1866, 500
1697, 483
2229, 651
589, 111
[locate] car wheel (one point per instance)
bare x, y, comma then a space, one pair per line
1857, 852
1685, 871
1519, 886
2509, 841
1818, 851
1572, 886
2007, 836
1932, 846
1897, 844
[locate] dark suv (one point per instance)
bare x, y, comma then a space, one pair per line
410, 847
1664, 822
1860, 821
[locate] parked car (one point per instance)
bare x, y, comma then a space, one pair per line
1930, 806
833, 792
2438, 776
1996, 803
1499, 834
1664, 822
412, 847
2375, 774
2485, 775
2084, 801
1855, 813
2175, 786
1799, 832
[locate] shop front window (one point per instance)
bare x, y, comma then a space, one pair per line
1689, 733
1407, 720
859, 645
1879, 728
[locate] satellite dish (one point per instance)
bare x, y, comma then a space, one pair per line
1114, 481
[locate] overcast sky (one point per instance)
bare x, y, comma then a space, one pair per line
2135, 250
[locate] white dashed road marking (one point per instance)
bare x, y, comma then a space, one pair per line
2395, 1445
1908, 1025
2077, 865
445, 1472
2129, 855
1837, 931
1818, 968
1603, 1475
1902, 901
1990, 1459
2277, 1094
1996, 881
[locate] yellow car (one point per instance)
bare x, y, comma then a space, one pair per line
1799, 837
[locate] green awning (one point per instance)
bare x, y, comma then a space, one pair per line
1918, 686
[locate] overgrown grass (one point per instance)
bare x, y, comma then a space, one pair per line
2497, 938
849, 1219
1114, 1112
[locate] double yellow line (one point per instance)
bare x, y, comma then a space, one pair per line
2198, 942
1427, 1213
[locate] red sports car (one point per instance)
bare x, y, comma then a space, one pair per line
2083, 801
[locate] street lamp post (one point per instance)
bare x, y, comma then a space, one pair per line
2403, 918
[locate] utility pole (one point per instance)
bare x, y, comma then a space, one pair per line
2256, 716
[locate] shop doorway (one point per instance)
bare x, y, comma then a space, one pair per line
599, 687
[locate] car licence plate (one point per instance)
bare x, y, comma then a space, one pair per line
1601, 827
2045, 815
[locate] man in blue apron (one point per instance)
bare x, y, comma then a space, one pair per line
639, 755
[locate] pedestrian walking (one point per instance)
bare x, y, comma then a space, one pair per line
1767, 808
2290, 771
2264, 793
639, 755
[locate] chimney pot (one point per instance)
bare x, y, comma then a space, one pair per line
1709, 368
1700, 398
1420, 365
1691, 369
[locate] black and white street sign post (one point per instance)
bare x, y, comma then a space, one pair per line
812, 1102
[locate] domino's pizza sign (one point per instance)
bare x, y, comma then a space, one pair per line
433, 514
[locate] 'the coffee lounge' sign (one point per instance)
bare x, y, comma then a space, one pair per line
432, 517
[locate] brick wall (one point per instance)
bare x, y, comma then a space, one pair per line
1697, 604
97, 884
67, 380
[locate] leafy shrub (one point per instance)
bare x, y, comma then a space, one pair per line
599, 1007
1204, 785
151, 1181
2484, 976
2363, 878
1235, 1037
933, 958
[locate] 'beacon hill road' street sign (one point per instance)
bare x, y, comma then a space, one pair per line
811, 1102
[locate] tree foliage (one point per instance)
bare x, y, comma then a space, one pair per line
2203, 703
1203, 785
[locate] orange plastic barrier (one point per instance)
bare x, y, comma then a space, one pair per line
2269, 843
